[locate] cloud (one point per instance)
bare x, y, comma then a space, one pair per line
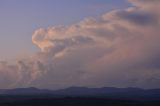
119, 48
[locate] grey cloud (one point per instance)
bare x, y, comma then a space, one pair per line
138, 18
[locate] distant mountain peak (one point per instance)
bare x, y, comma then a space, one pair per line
130, 92
32, 88
74, 87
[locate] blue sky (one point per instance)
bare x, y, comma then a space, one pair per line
20, 18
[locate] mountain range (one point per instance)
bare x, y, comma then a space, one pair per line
106, 92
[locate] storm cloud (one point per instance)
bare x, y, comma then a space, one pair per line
119, 48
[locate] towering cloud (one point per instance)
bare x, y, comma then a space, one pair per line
119, 48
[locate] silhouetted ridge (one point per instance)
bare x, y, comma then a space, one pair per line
110, 92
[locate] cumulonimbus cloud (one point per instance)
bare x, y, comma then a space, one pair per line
119, 48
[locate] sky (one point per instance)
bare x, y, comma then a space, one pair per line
93, 43
20, 18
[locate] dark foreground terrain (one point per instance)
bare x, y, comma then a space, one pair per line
80, 96
70, 101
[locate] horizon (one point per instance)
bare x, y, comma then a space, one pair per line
75, 87
54, 44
